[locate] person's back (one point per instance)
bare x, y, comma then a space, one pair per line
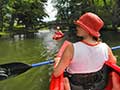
86, 68
88, 58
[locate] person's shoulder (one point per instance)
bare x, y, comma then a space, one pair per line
105, 44
70, 46
69, 49
67, 42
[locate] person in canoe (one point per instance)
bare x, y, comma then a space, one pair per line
83, 61
58, 34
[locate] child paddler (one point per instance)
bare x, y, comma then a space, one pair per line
84, 60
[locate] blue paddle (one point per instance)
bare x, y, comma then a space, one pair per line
15, 68
116, 47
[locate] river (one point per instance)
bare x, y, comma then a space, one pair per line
28, 51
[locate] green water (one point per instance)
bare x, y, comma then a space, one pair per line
28, 51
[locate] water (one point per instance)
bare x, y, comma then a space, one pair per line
28, 51
31, 51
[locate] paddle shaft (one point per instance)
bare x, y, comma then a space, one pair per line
116, 47
43, 63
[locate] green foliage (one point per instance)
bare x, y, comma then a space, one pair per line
69, 10
29, 12
21, 12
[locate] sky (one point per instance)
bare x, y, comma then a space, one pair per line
50, 11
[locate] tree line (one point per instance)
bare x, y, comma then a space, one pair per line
70, 10
29, 14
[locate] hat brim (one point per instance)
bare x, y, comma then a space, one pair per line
90, 31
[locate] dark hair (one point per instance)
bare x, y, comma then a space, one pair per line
96, 39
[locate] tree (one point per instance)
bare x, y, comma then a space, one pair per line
2, 13
28, 13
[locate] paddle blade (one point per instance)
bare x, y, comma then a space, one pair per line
12, 69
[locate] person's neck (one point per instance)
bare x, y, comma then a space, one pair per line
90, 40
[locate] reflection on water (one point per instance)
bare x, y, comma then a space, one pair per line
28, 51
47, 38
